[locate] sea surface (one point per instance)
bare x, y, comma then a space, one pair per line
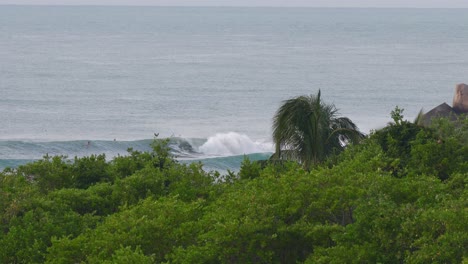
82, 80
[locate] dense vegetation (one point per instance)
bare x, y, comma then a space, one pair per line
397, 197
308, 130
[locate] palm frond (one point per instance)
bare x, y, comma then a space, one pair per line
307, 130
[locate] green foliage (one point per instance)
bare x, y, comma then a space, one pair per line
153, 226
392, 225
29, 233
439, 150
16, 194
457, 129
50, 173
161, 152
395, 141
438, 157
397, 115
129, 256
249, 169
90, 170
380, 201
307, 130
272, 219
124, 166
96, 200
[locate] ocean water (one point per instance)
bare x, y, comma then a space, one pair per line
211, 77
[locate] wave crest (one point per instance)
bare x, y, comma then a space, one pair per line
232, 143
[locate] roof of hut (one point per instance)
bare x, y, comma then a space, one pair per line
442, 110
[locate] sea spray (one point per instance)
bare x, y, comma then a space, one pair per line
231, 144
229, 147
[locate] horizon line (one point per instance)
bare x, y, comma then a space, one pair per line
234, 6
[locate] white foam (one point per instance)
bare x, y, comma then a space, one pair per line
232, 143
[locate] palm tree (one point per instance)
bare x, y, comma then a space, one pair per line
307, 130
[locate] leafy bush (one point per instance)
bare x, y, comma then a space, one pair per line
369, 204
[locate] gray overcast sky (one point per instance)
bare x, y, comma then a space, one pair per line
317, 3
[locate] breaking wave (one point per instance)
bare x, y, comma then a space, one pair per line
222, 151
232, 143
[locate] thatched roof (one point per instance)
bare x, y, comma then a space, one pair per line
442, 110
